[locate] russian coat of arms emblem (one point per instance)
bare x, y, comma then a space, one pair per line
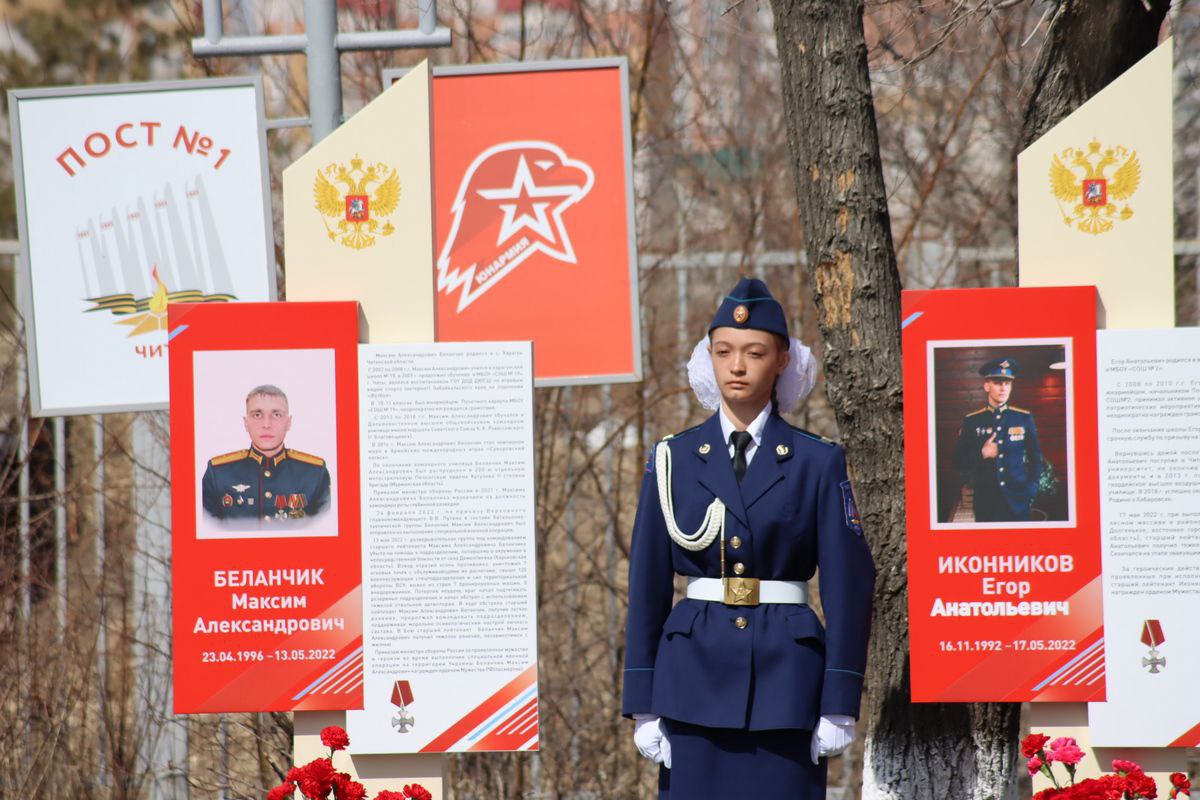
372, 193
1093, 185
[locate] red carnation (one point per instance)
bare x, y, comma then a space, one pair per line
387, 794
346, 789
1065, 750
282, 791
318, 779
1180, 785
416, 792
1032, 744
294, 775
1139, 784
1053, 793
335, 738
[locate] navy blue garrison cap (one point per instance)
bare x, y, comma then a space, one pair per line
1000, 368
751, 306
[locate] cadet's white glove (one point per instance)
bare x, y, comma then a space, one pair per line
651, 739
834, 734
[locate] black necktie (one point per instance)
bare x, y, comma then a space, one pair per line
741, 440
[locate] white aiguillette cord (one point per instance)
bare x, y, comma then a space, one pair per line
714, 517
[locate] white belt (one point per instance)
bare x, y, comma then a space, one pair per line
768, 591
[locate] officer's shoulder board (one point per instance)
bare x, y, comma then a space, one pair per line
825, 440
1019, 410
229, 458
306, 458
983, 410
671, 436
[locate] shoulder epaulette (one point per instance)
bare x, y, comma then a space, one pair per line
229, 458
1019, 410
825, 440
307, 458
669, 437
983, 410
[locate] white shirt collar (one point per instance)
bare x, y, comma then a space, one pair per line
755, 428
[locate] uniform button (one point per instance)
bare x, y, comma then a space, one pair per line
741, 622
266, 494
267, 517
1001, 483
1002, 455
735, 542
739, 568
999, 441
267, 473
1002, 469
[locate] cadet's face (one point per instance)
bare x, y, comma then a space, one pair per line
267, 422
746, 362
997, 391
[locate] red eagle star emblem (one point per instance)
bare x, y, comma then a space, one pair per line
509, 206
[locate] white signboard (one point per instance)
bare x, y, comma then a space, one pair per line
129, 197
449, 591
1149, 447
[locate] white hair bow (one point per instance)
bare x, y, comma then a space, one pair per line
795, 383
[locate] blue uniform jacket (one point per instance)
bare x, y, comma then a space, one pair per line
246, 484
1004, 486
792, 513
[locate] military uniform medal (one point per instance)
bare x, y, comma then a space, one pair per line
1152, 637
402, 695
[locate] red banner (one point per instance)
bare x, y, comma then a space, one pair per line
533, 191
1002, 495
265, 507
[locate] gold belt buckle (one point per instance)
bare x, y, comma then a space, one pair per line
741, 591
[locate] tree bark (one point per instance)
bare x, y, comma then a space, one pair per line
1088, 45
913, 751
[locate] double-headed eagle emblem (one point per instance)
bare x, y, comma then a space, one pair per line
359, 214
1093, 184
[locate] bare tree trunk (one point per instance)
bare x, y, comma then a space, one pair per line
926, 750
914, 751
1089, 43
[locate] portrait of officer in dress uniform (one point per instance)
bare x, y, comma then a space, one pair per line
740, 689
267, 482
997, 452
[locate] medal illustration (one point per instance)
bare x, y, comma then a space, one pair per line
401, 696
1152, 637
296, 504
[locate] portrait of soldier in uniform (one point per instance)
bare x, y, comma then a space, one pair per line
267, 482
998, 452
1002, 438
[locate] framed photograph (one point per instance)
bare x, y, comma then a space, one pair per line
266, 443
131, 197
1002, 495
266, 540
1002, 452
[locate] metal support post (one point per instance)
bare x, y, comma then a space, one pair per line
102, 777
322, 45
324, 71
60, 523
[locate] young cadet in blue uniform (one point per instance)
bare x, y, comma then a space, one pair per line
738, 690
998, 452
267, 482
